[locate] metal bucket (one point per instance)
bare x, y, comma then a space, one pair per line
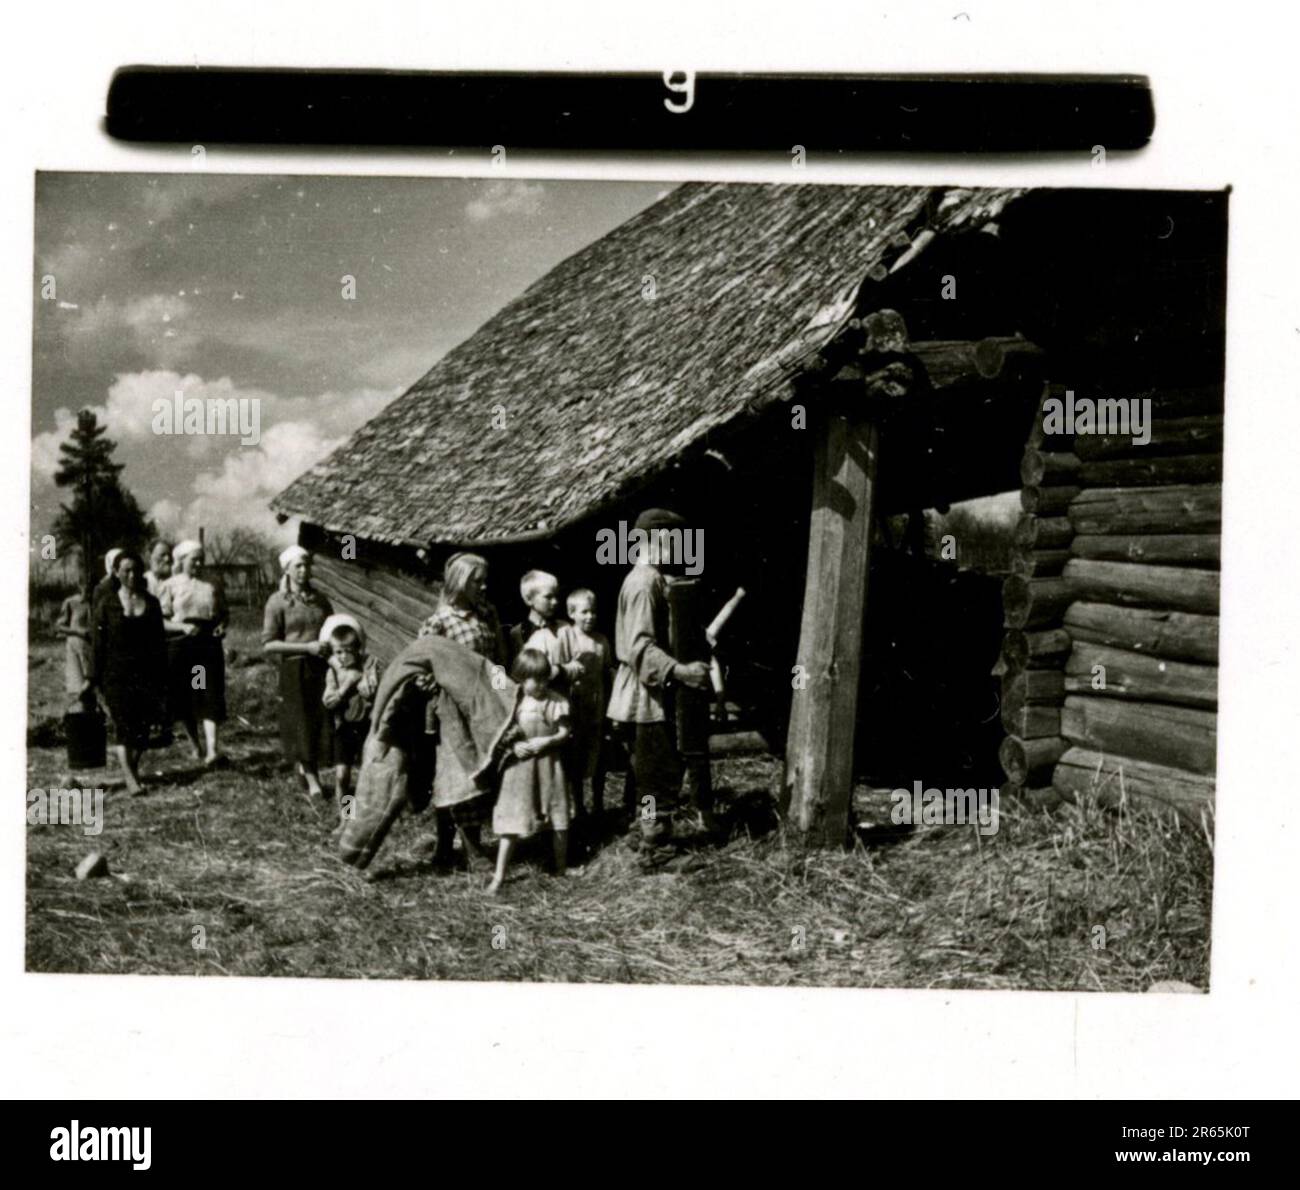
86, 736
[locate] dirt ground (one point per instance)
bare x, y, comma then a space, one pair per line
232, 872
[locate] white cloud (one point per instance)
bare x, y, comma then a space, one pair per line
45, 446
505, 198
231, 484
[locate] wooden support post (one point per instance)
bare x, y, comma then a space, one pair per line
823, 717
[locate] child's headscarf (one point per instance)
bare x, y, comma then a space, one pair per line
343, 620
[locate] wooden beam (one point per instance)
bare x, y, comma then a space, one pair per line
1044, 468
1100, 671
1169, 436
1132, 584
1044, 533
1149, 471
1166, 549
1047, 502
818, 779
1114, 511
1082, 772
1035, 650
1179, 636
1034, 602
1180, 737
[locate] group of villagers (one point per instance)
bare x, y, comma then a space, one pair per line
150, 642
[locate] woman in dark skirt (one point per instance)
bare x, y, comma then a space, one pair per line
129, 664
194, 610
291, 630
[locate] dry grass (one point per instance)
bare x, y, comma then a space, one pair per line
248, 859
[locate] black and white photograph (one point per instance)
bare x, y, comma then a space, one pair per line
767, 584
683, 554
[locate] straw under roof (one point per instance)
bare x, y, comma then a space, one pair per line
696, 310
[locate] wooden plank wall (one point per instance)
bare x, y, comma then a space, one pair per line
391, 606
1110, 658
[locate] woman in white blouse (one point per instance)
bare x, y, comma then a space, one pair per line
195, 613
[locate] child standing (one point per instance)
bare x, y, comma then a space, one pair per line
74, 625
534, 794
589, 694
350, 685
540, 593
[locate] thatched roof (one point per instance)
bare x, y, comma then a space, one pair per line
601, 384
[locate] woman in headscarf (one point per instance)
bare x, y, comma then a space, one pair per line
160, 567
463, 615
130, 663
108, 584
195, 611
295, 614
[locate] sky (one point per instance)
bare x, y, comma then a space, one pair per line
232, 287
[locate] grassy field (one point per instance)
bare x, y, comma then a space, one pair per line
232, 872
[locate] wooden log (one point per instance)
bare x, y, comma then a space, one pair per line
1033, 686
1033, 602
1082, 772
1044, 468
1174, 404
952, 362
818, 774
1039, 563
1165, 549
1149, 471
1029, 721
1035, 650
1180, 737
1175, 635
1043, 532
1169, 436
1174, 588
1022, 760
1114, 511
1047, 501
1118, 673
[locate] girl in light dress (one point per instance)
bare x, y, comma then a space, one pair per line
535, 793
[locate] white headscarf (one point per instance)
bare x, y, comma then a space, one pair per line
290, 555
342, 620
110, 558
183, 550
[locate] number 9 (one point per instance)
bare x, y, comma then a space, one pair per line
687, 88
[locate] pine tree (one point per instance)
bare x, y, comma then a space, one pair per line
103, 513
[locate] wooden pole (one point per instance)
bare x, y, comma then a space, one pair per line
823, 717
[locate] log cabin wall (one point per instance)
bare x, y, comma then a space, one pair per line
1111, 651
1036, 646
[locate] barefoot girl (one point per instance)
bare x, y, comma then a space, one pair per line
535, 794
